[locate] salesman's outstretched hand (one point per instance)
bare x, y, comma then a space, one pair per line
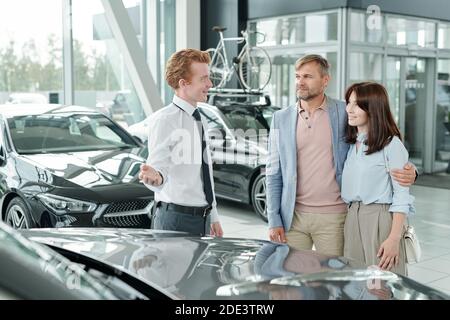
150, 176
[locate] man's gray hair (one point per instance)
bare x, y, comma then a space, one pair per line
321, 61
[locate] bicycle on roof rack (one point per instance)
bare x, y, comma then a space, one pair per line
252, 64
238, 97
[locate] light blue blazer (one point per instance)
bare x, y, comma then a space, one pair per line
281, 168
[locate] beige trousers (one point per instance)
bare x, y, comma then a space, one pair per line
366, 227
324, 230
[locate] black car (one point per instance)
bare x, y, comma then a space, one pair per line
180, 266
69, 166
238, 127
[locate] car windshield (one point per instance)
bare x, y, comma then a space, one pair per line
61, 133
249, 118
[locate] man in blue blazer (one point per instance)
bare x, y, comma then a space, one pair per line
307, 151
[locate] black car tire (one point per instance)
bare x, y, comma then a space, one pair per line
259, 201
17, 215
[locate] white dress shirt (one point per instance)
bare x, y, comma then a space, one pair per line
175, 150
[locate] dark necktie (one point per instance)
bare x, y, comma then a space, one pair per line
207, 187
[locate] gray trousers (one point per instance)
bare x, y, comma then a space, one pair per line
175, 221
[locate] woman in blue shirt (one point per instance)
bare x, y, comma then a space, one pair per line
378, 205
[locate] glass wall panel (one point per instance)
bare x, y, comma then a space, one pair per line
365, 67
281, 87
31, 66
442, 152
360, 32
410, 32
100, 75
393, 85
332, 89
444, 36
167, 44
415, 108
313, 28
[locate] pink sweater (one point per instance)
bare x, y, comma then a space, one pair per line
317, 189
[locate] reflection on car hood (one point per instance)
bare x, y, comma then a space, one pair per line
90, 168
100, 175
189, 267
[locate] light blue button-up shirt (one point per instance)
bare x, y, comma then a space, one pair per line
366, 178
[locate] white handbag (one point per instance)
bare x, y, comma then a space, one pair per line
412, 245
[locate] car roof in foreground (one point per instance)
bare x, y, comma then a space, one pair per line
33, 271
15, 110
190, 267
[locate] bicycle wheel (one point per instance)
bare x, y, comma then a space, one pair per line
217, 72
255, 68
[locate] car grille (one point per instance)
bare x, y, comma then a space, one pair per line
127, 206
128, 214
134, 220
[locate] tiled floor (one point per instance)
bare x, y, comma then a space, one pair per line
432, 223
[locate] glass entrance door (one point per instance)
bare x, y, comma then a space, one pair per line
415, 108
393, 65
442, 128
406, 82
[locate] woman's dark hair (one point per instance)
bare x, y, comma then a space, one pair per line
373, 99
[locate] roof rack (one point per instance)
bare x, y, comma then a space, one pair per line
235, 91
237, 94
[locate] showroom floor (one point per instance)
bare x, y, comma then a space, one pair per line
432, 222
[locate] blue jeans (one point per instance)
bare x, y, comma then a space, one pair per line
176, 221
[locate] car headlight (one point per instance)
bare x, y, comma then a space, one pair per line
62, 205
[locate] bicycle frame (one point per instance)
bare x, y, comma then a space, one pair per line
252, 64
221, 47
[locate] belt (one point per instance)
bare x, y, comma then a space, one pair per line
195, 211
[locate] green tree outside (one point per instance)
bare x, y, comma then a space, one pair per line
25, 71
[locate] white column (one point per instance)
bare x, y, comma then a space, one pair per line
153, 37
68, 53
187, 24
